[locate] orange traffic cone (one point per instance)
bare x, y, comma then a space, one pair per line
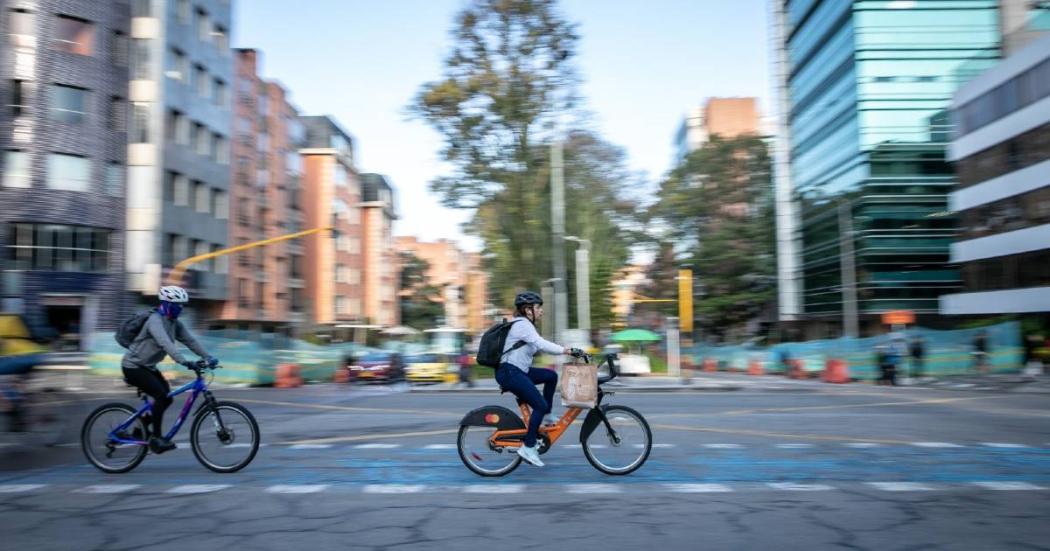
342, 375
836, 371
754, 367
287, 376
710, 365
797, 372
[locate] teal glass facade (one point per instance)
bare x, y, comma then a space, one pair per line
869, 84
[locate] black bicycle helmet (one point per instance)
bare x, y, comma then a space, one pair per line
527, 298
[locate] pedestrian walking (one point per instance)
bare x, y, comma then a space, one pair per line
918, 354
885, 359
980, 352
466, 377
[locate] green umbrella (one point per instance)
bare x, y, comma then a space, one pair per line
635, 335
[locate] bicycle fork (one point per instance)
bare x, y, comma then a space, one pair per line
225, 436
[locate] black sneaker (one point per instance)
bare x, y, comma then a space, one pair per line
161, 445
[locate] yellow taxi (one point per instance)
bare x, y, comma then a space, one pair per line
427, 368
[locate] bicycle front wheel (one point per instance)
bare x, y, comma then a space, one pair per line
100, 449
625, 448
225, 438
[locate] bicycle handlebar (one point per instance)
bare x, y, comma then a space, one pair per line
613, 372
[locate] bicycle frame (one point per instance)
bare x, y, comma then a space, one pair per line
198, 386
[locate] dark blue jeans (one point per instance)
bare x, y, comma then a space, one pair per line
523, 385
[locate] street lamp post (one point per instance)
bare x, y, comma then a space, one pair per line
583, 288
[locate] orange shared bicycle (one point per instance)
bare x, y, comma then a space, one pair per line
615, 439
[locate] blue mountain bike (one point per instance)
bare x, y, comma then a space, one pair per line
224, 435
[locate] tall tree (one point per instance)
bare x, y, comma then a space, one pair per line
718, 204
421, 302
507, 84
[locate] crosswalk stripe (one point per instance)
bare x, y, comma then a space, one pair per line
494, 489
376, 446
1003, 445
593, 489
107, 488
310, 447
698, 488
1006, 485
439, 447
19, 488
794, 487
794, 446
393, 488
862, 444
197, 488
723, 446
296, 488
935, 445
900, 486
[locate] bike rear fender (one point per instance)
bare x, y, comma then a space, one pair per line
493, 416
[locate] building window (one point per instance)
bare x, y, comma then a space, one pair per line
221, 147
115, 179
219, 92
19, 98
355, 246
182, 130
203, 26
203, 141
141, 59
222, 263
195, 136
118, 49
69, 172
168, 193
117, 116
140, 115
342, 274
21, 23
354, 278
74, 35
180, 66
142, 8
16, 169
201, 81
201, 197
340, 304
68, 104
182, 11
181, 190
54, 247
220, 205
222, 42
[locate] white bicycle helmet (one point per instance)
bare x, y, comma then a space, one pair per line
173, 293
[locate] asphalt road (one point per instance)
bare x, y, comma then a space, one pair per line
831, 467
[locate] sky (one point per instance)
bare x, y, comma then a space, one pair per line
642, 63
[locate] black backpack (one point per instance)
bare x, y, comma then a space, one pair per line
490, 349
130, 329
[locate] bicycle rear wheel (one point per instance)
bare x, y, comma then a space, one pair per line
105, 454
478, 456
626, 450
225, 447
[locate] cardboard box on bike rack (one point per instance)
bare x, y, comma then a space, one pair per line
579, 386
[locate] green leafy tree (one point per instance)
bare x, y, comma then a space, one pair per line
507, 82
421, 305
718, 204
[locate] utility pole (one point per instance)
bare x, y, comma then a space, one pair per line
561, 309
583, 284
849, 273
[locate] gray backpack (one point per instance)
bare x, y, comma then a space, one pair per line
130, 329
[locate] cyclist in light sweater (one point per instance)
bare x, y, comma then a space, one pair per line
515, 374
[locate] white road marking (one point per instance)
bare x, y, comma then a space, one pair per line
494, 489
698, 488
376, 446
574, 446
439, 447
1003, 445
296, 488
197, 488
723, 446
935, 445
793, 487
862, 445
310, 447
593, 489
794, 446
393, 488
19, 488
900, 486
1003, 485
107, 489
657, 445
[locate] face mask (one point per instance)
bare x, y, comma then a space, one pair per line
171, 310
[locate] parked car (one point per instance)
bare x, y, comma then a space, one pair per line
378, 366
428, 368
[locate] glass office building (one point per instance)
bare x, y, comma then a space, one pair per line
865, 88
